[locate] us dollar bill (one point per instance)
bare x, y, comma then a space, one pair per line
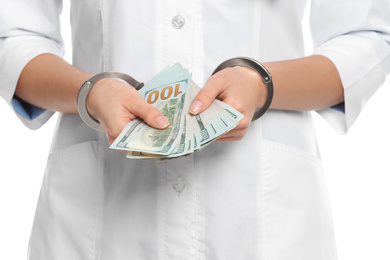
138, 136
172, 91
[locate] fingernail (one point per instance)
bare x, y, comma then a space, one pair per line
162, 122
195, 107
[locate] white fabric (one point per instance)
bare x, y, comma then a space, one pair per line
354, 38
261, 198
27, 29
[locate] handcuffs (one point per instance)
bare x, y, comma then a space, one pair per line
235, 62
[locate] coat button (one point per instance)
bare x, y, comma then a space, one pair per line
179, 184
178, 21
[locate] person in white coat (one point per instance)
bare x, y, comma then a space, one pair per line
259, 191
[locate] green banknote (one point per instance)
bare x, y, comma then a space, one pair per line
138, 136
171, 91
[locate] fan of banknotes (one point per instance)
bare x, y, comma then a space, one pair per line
171, 91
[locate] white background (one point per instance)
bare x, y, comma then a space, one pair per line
357, 168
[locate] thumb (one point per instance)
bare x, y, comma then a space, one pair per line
151, 116
204, 98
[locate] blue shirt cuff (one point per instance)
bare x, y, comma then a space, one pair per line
25, 109
340, 107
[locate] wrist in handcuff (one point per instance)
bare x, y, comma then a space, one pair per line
258, 85
94, 95
90, 120
261, 70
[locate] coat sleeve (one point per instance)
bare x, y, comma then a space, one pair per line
355, 36
27, 29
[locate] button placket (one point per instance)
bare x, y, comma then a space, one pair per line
179, 205
178, 34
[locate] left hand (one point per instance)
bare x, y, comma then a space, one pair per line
240, 87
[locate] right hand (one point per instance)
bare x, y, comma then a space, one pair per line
115, 104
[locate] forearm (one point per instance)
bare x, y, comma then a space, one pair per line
309, 83
51, 83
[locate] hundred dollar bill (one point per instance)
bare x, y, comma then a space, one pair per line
138, 136
181, 147
172, 91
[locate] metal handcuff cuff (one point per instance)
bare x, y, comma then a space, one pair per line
87, 86
235, 62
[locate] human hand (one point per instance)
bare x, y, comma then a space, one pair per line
115, 103
240, 87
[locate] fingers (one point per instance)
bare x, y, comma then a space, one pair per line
238, 87
121, 116
148, 113
213, 88
115, 104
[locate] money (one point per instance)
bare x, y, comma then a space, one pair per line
172, 91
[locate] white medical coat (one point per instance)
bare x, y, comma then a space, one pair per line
263, 197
